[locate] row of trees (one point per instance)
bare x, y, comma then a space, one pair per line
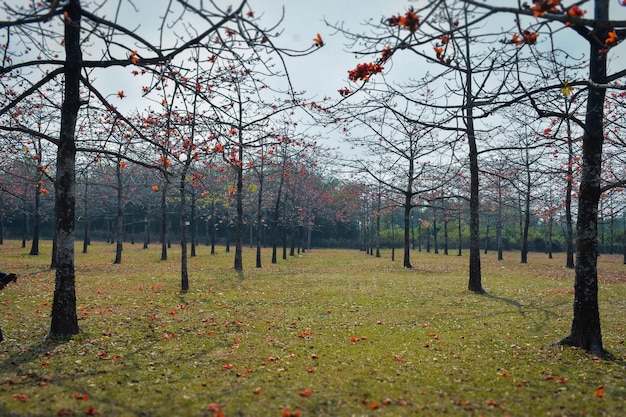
494, 114
477, 75
120, 202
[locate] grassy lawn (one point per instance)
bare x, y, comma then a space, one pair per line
326, 333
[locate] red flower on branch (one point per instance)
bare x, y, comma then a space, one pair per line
410, 20
364, 71
611, 39
541, 7
318, 41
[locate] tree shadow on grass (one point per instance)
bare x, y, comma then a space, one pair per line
31, 353
526, 310
523, 310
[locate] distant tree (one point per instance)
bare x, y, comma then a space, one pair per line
43, 25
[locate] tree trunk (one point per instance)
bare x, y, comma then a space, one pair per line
64, 320
164, 236
569, 234
184, 275
277, 217
119, 226
407, 229
86, 215
460, 232
259, 219
499, 222
475, 278
193, 225
146, 230
526, 223
238, 262
585, 332
378, 226
34, 248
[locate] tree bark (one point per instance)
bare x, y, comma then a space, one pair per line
164, 237
119, 226
64, 320
407, 226
184, 274
585, 331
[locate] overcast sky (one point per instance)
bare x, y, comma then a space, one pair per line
325, 71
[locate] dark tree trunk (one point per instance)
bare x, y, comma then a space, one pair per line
284, 233
623, 239
34, 248
550, 236
569, 233
259, 220
445, 237
25, 221
526, 221
146, 229
378, 209
64, 320
499, 222
164, 237
475, 277
407, 230
193, 225
86, 215
487, 230
586, 332
119, 226
184, 275
460, 231
435, 234
238, 262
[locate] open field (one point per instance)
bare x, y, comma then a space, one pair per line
327, 333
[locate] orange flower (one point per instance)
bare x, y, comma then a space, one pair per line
305, 393
527, 37
344, 92
133, 57
541, 7
20, 397
288, 413
386, 54
576, 11
611, 39
410, 20
121, 94
363, 72
599, 392
155, 188
318, 41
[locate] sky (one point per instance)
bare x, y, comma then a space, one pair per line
324, 72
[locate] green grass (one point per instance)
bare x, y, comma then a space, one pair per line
327, 333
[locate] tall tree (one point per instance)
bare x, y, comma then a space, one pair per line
22, 23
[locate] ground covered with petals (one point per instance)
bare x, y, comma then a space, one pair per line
323, 333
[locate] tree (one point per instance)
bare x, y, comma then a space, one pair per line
601, 35
22, 24
399, 152
467, 59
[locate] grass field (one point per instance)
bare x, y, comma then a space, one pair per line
325, 333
